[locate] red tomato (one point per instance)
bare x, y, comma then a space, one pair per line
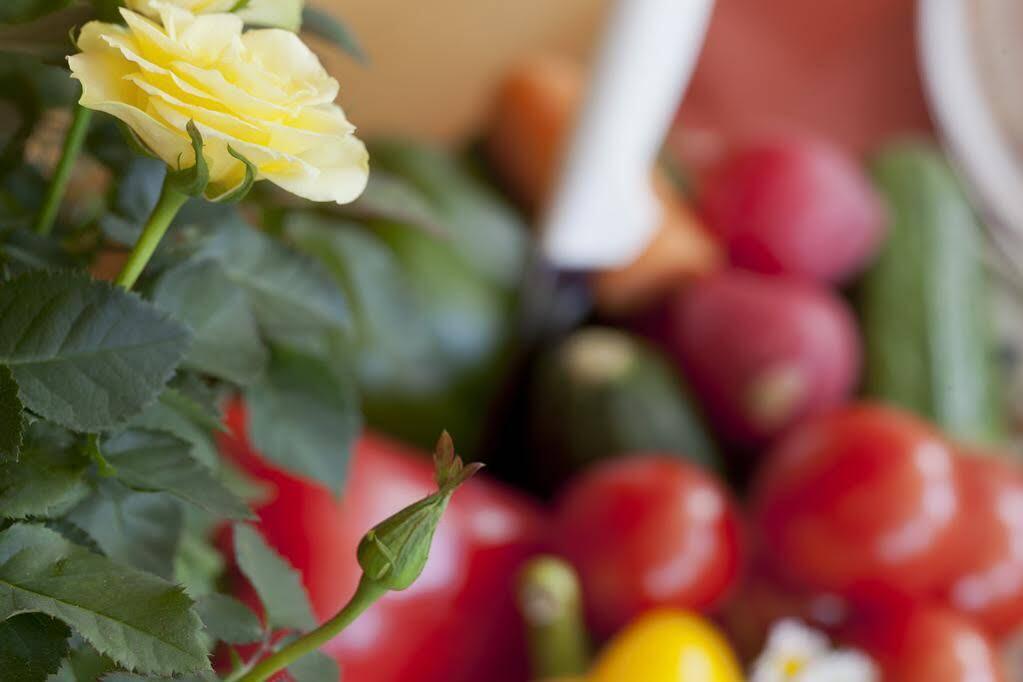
927, 644
646, 531
763, 353
989, 582
795, 206
863, 500
458, 619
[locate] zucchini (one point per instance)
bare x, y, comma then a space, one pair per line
924, 303
603, 392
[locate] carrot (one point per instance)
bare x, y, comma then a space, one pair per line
536, 109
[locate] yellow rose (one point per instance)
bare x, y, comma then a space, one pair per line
281, 13
261, 93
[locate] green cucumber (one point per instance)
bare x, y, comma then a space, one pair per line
924, 303
602, 393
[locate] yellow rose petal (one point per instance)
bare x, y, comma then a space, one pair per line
262, 93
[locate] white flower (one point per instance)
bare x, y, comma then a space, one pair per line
796, 653
844, 665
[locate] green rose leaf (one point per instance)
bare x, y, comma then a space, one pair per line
292, 297
85, 354
322, 24
138, 529
278, 584
305, 416
179, 415
198, 564
130, 677
85, 664
32, 646
143, 622
487, 233
47, 480
17, 11
227, 342
22, 250
12, 421
315, 667
229, 620
153, 461
393, 198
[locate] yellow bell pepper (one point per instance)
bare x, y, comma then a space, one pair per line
668, 646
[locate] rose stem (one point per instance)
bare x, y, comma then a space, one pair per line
550, 601
168, 205
62, 174
365, 595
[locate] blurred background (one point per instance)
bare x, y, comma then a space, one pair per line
847, 70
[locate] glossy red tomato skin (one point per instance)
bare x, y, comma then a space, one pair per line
459, 618
648, 530
988, 585
925, 643
763, 353
794, 206
865, 500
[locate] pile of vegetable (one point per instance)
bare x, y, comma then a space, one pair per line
774, 449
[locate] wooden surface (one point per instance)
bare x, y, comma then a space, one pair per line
435, 64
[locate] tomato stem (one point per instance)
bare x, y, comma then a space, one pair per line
550, 600
368, 592
167, 206
62, 173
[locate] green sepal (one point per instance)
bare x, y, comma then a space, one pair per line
191, 181
242, 190
394, 553
135, 142
95, 453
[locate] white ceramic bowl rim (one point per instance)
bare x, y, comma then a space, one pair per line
972, 126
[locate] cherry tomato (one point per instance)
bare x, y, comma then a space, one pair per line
763, 353
863, 500
795, 206
459, 618
989, 581
647, 531
926, 644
